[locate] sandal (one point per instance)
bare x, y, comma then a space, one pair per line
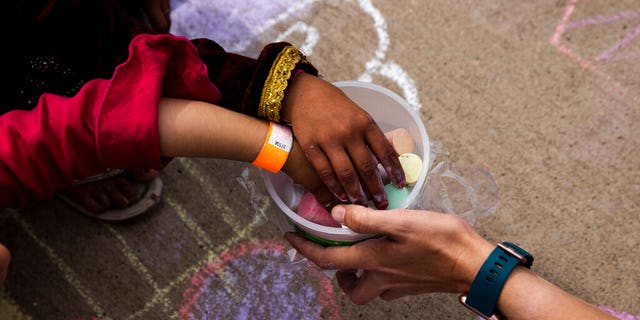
148, 194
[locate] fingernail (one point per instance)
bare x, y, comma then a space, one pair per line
379, 198
360, 199
400, 181
338, 196
338, 213
382, 205
397, 177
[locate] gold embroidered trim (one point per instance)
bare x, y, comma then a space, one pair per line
277, 81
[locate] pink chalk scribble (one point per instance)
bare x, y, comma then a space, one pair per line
611, 53
620, 315
256, 280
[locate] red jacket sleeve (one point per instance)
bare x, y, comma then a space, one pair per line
108, 124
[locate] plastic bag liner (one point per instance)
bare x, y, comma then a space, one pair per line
467, 191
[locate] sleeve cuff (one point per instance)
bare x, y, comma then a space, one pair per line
158, 65
287, 65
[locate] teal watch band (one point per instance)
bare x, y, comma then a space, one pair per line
487, 285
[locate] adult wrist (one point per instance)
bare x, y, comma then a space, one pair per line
484, 292
478, 250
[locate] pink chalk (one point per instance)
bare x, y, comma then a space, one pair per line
311, 209
401, 140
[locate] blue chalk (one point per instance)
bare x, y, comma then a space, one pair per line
396, 196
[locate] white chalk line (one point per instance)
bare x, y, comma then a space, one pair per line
375, 66
268, 24
390, 69
310, 41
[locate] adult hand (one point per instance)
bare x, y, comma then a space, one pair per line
158, 12
341, 140
418, 252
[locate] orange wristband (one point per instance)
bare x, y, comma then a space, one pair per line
276, 148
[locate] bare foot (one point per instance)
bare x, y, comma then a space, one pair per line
116, 192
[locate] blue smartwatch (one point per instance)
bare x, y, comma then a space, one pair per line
487, 285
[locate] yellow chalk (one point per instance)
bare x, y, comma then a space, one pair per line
412, 166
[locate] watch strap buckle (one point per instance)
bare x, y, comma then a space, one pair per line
463, 300
512, 252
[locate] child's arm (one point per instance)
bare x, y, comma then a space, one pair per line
199, 129
339, 138
113, 123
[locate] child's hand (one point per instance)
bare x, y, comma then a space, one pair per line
341, 140
301, 172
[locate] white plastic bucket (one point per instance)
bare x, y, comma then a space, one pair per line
390, 112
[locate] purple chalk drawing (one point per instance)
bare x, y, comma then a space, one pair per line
256, 280
234, 24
